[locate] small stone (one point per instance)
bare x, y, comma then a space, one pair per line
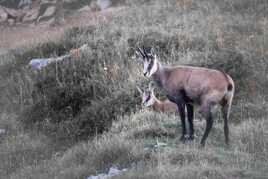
2, 131
84, 9
31, 15
104, 4
3, 15
50, 11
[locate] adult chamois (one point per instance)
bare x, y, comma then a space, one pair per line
188, 85
150, 100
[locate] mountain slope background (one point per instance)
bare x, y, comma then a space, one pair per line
79, 117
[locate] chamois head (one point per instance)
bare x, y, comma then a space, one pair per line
149, 61
147, 95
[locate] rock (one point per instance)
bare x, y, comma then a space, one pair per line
84, 9
12, 16
113, 171
24, 3
2, 131
10, 3
38, 63
69, 1
94, 6
47, 2
12, 12
43, 9
31, 15
104, 4
3, 15
49, 12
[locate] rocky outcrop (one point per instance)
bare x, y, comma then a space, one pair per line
51, 11
11, 16
3, 15
31, 16
104, 4
24, 12
48, 14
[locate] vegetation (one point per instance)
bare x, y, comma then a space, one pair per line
79, 117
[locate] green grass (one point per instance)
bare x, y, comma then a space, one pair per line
244, 158
74, 119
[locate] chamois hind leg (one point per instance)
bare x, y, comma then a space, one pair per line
206, 111
181, 109
190, 116
225, 112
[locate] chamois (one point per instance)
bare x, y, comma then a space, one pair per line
150, 100
188, 85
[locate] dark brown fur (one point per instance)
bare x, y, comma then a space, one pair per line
187, 85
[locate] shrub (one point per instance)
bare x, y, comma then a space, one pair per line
78, 98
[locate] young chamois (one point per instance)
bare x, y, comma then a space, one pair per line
149, 100
188, 85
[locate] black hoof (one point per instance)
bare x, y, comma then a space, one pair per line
202, 144
191, 137
183, 138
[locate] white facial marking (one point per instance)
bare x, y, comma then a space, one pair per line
150, 102
149, 72
147, 98
145, 67
154, 68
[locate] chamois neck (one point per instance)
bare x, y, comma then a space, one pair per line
159, 74
157, 104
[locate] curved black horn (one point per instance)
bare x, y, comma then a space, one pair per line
144, 52
139, 49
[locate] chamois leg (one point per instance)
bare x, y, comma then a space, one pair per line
225, 113
181, 109
190, 116
206, 112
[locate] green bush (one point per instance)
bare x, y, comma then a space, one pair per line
78, 98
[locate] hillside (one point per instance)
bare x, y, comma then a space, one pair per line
82, 117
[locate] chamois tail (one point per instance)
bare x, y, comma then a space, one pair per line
230, 86
228, 97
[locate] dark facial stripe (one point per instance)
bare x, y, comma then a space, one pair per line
150, 66
148, 98
142, 54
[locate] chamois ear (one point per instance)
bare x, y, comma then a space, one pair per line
144, 52
152, 52
138, 88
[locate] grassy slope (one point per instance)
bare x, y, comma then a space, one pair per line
201, 29
124, 146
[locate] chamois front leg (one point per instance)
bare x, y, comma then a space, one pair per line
190, 116
181, 109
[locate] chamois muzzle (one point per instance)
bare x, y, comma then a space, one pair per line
145, 73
